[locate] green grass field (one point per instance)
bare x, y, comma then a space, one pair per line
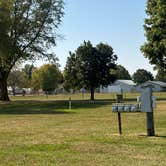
36, 131
86, 96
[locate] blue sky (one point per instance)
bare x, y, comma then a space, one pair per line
116, 22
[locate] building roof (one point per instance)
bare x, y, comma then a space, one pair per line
128, 82
160, 83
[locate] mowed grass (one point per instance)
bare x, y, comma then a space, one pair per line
47, 133
86, 96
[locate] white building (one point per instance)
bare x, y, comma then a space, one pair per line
119, 86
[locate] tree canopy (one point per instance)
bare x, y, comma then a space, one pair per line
28, 69
71, 76
89, 67
161, 75
122, 73
155, 27
46, 77
27, 29
141, 76
17, 79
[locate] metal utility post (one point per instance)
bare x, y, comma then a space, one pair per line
150, 124
69, 103
119, 123
119, 99
147, 106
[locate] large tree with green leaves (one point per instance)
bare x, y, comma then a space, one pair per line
141, 76
17, 79
155, 27
90, 66
161, 75
28, 69
46, 77
36, 80
71, 73
27, 30
122, 73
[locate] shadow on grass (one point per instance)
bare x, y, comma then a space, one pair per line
161, 136
46, 107
158, 136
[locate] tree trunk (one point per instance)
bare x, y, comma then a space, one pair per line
92, 91
3, 89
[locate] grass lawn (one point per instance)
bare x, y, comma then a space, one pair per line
46, 133
86, 96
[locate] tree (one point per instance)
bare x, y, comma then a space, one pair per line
141, 76
16, 79
27, 29
161, 75
46, 77
71, 76
28, 69
36, 80
122, 73
92, 66
155, 27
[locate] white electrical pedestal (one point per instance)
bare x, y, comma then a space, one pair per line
145, 103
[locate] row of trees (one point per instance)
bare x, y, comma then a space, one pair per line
47, 78
88, 67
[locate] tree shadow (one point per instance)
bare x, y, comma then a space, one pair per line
46, 107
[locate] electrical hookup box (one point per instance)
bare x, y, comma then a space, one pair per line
145, 103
